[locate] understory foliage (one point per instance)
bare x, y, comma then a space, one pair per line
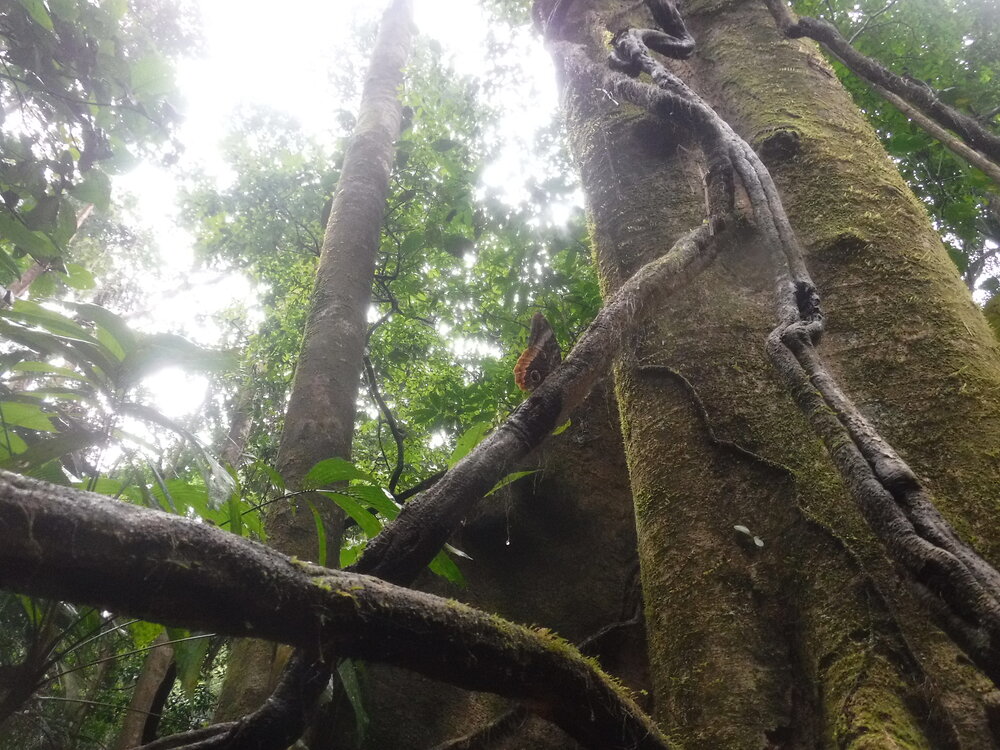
86, 90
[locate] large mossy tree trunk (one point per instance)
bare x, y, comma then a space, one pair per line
319, 421
810, 640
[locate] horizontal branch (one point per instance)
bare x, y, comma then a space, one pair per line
80, 547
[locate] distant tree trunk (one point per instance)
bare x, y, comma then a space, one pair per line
810, 640
319, 421
154, 669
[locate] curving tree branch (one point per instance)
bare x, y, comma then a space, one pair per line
75, 546
914, 95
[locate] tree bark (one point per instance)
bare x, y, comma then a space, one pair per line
154, 669
556, 549
810, 640
319, 422
71, 545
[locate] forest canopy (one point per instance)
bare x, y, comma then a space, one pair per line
321, 335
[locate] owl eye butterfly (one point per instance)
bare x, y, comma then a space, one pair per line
541, 356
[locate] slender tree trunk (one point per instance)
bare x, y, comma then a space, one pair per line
154, 669
319, 421
809, 640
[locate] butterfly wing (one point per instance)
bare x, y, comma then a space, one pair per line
541, 356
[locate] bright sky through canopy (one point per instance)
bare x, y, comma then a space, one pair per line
287, 58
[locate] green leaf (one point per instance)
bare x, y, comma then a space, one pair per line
235, 516
144, 633
152, 77
9, 270
159, 350
562, 428
183, 496
189, 655
469, 440
36, 9
31, 313
117, 336
512, 477
347, 670
44, 451
16, 414
78, 277
11, 443
332, 470
67, 10
320, 533
368, 523
112, 488
95, 188
31, 609
37, 244
445, 567
47, 369
350, 551
377, 498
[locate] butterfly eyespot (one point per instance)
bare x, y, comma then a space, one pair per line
539, 358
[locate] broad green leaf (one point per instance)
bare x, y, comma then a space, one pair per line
510, 478
9, 270
332, 470
78, 277
377, 498
320, 533
31, 609
445, 567
350, 551
47, 344
144, 633
47, 369
36, 9
469, 440
152, 77
235, 516
189, 655
347, 670
11, 443
155, 351
37, 244
112, 488
31, 313
44, 451
25, 415
95, 188
112, 330
368, 523
67, 10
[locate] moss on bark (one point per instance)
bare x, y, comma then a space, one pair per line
810, 640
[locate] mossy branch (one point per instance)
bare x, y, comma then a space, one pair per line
915, 99
80, 547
